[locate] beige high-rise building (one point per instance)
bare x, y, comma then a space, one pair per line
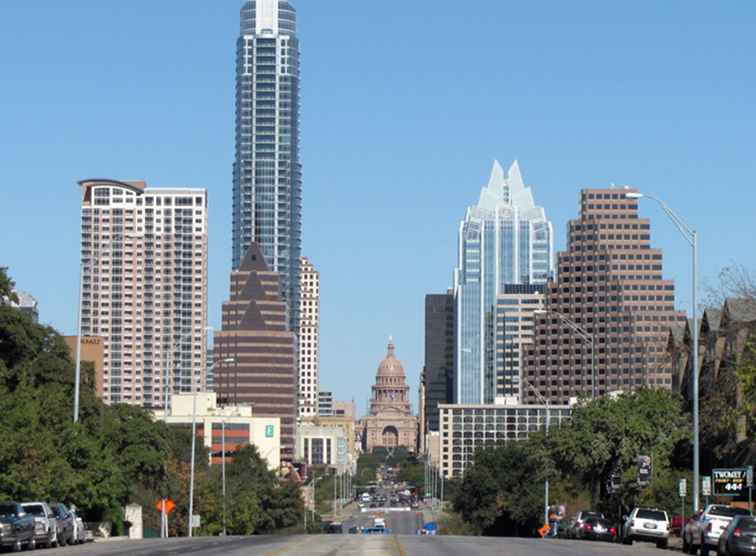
144, 287
309, 338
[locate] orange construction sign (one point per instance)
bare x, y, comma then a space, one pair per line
543, 531
170, 505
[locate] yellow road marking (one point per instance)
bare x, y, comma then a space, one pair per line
399, 547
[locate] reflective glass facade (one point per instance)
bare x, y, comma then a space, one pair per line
505, 239
267, 178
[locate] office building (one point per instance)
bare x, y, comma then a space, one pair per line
267, 174
144, 287
438, 374
610, 285
210, 372
466, 428
254, 336
309, 338
229, 426
325, 403
323, 445
505, 239
513, 332
28, 305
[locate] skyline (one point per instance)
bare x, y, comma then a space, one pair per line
569, 150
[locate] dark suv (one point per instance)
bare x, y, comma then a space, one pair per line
16, 527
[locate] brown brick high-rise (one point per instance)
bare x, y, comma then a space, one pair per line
609, 283
255, 334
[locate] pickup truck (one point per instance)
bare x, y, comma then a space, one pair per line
705, 529
16, 527
45, 524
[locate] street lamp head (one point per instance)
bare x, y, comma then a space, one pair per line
633, 195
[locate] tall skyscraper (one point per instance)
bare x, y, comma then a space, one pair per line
144, 287
267, 190
309, 338
255, 336
438, 374
610, 284
505, 239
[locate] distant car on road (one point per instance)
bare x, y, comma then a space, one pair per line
16, 527
739, 538
573, 526
597, 529
65, 523
45, 525
647, 525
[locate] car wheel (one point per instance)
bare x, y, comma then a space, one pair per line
627, 540
662, 544
32, 544
17, 546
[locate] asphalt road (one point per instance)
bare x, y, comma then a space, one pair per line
360, 545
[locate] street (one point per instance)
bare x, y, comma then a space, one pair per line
374, 545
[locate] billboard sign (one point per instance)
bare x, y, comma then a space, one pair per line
729, 482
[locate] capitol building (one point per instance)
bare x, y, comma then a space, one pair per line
390, 422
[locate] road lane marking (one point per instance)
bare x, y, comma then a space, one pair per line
399, 547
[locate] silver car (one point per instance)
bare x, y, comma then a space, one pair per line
45, 525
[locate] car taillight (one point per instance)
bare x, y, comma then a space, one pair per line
737, 532
587, 527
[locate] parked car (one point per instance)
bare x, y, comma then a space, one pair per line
704, 531
65, 523
573, 527
739, 538
646, 525
597, 529
45, 526
16, 527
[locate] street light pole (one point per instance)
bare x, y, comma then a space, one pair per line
545, 401
691, 236
194, 442
223, 473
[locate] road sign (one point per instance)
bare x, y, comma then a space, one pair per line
195, 520
705, 486
644, 470
170, 505
729, 482
682, 488
749, 476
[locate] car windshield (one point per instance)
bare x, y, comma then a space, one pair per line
655, 515
7, 510
592, 514
727, 511
35, 509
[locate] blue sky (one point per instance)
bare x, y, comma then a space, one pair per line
405, 106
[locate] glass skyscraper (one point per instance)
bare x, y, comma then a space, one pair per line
503, 240
267, 202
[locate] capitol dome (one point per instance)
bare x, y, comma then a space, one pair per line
390, 366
